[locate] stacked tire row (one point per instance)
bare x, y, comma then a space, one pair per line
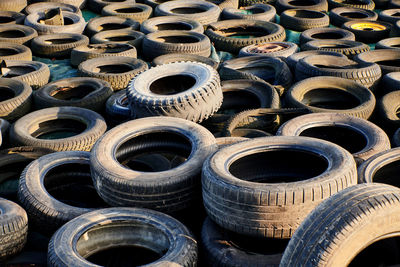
163, 153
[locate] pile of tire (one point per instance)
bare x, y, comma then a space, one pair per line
200, 133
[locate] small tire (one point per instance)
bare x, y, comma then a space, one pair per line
77, 24
262, 12
17, 99
134, 11
134, 38
37, 73
171, 23
110, 23
170, 58
326, 33
303, 19
10, 51
345, 47
42, 6
11, 17
17, 34
389, 15
388, 43
272, 49
340, 15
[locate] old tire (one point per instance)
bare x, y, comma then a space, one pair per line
110, 23
10, 51
36, 74
171, 23
77, 23
17, 99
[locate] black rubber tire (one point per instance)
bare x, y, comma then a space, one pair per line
17, 99
226, 141
340, 15
134, 38
17, 34
396, 138
11, 17
362, 4
13, 5
365, 73
368, 211
237, 202
14, 225
118, 79
10, 51
4, 125
77, 24
387, 59
158, 232
225, 3
110, 23
390, 15
317, 5
364, 34
345, 47
37, 73
77, 3
292, 60
303, 19
254, 12
25, 130
98, 5
140, 12
388, 43
207, 12
394, 4
90, 93
259, 68
195, 94
358, 136
365, 98
83, 53
167, 191
272, 49
171, 23
388, 107
390, 82
326, 34
117, 108
381, 4
170, 58
223, 248
220, 33
167, 42
42, 6
56, 188
243, 3
57, 45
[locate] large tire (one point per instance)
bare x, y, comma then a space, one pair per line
110, 23
134, 11
118, 71
387, 59
340, 15
11, 17
223, 33
169, 191
86, 125
43, 6
345, 47
10, 51
358, 136
188, 90
17, 34
16, 99
56, 188
344, 225
254, 12
326, 33
171, 23
13, 5
77, 23
272, 49
170, 58
338, 95
303, 19
160, 233
259, 194
35, 73
14, 225
128, 36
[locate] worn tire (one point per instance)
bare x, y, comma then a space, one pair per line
110, 23
317, 5
77, 3
390, 82
340, 15
326, 33
117, 108
254, 12
11, 17
13, 5
292, 60
389, 15
57, 45
388, 107
271, 49
303, 19
17, 34
387, 59
77, 24
42, 6
170, 58
98, 5
37, 73
362, 30
139, 13
17, 99
362, 4
170, 23
388, 43
10, 51
134, 38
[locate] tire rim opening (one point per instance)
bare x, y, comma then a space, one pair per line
306, 14
188, 10
397, 14
12, 34
123, 38
390, 62
177, 39
6, 93
60, 41
129, 10
272, 166
334, 46
68, 21
114, 68
112, 26
354, 15
10, 174
327, 35
15, 71
123, 101
72, 93
57, 129
301, 3
5, 20
235, 101
173, 26
7, 52
388, 174
330, 98
243, 32
171, 85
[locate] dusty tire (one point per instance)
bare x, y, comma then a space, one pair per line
17, 34
389, 15
11, 17
272, 49
254, 12
13, 5
77, 3
363, 4
391, 82
170, 58
317, 5
236, 201
226, 141
42, 6
17, 99
37, 73
134, 11
77, 24
388, 107
387, 59
109, 23
98, 5
326, 33
157, 92
340, 15
10, 51
131, 37
303, 19
158, 232
358, 100
171, 23
292, 60
388, 43
168, 191
89, 125
345, 47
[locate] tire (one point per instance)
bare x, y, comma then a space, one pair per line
388, 107
118, 71
57, 45
82, 53
77, 23
17, 34
237, 202
131, 37
56, 188
10, 51
340, 15
317, 5
386, 59
303, 19
206, 12
4, 125
225, 249
14, 224
188, 90
16, 100
259, 68
262, 12
292, 60
389, 15
272, 49
35, 73
170, 23
98, 5
11, 17
390, 82
367, 74
222, 34
77, 3
13, 162
361, 101
171, 58
226, 141
168, 191
110, 23
225, 3
46, 121
358, 136
89, 93
345, 47
158, 232
388, 43
243, 3
167, 42
117, 108
42, 6
13, 5
137, 12
326, 34
363, 33
368, 211
362, 4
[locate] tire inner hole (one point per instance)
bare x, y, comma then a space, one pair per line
114, 68
304, 14
330, 98
171, 85
334, 46
123, 38
188, 10
354, 15
390, 62
112, 26
14, 71
72, 93
173, 26
4, 20
6, 93
301, 3
235, 101
60, 41
327, 35
12, 34
68, 21
177, 39
272, 166
388, 174
129, 10
56, 129
243, 32
396, 14
71, 183
266, 72
8, 52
